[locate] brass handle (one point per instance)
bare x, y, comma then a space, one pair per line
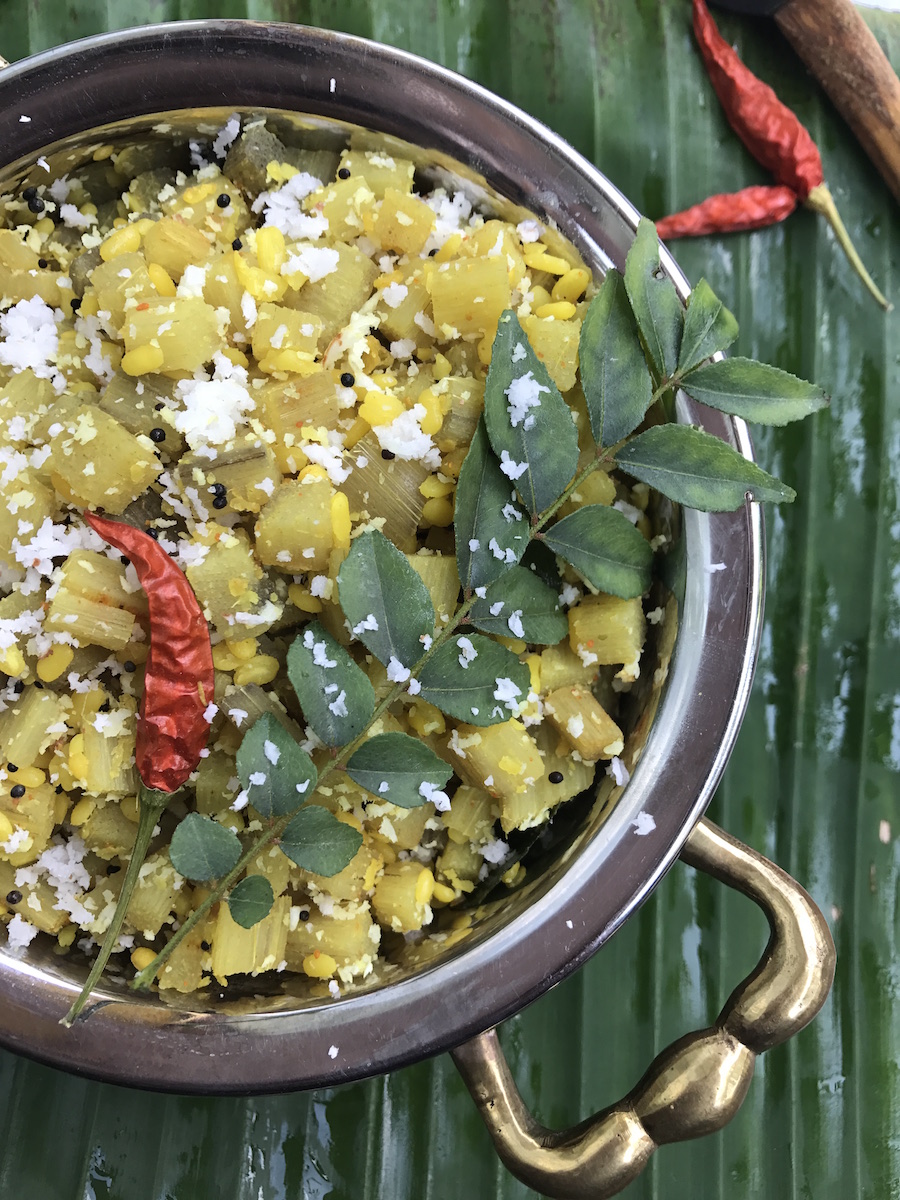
698, 1083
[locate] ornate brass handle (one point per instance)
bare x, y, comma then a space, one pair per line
698, 1083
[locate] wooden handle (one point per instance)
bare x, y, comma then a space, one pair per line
841, 51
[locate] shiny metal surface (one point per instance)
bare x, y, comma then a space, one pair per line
518, 951
696, 1085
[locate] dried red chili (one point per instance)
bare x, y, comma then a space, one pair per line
776, 139
768, 128
751, 208
178, 678
172, 726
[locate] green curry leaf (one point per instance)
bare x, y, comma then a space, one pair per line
275, 773
398, 768
251, 900
475, 680
317, 841
614, 376
528, 422
202, 849
336, 696
708, 328
754, 391
605, 549
385, 602
655, 302
521, 605
490, 525
697, 469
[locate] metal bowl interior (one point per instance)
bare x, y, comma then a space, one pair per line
179, 81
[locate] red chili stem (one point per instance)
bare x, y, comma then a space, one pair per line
732, 212
770, 131
179, 678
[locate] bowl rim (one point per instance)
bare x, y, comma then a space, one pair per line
151, 1045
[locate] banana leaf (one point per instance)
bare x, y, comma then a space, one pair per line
813, 782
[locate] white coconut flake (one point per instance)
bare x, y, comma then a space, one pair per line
249, 310
19, 933
507, 693
510, 468
368, 622
468, 653
643, 824
339, 706
494, 851
30, 338
504, 555
394, 294
271, 751
283, 208
617, 771
213, 408
514, 621
329, 457
524, 394
319, 649
315, 262
396, 672
226, 135
73, 219
405, 438
192, 283
575, 726
432, 792
519, 352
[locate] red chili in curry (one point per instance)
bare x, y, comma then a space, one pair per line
178, 680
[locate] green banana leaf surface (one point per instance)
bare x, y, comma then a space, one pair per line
813, 782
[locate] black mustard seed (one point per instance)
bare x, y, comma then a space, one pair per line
12, 767
347, 379
236, 244
14, 897
36, 204
220, 501
344, 173
157, 434
18, 791
223, 200
555, 776
388, 454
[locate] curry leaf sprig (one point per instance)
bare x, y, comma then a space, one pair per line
638, 346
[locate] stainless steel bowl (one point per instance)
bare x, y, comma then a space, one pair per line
153, 83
